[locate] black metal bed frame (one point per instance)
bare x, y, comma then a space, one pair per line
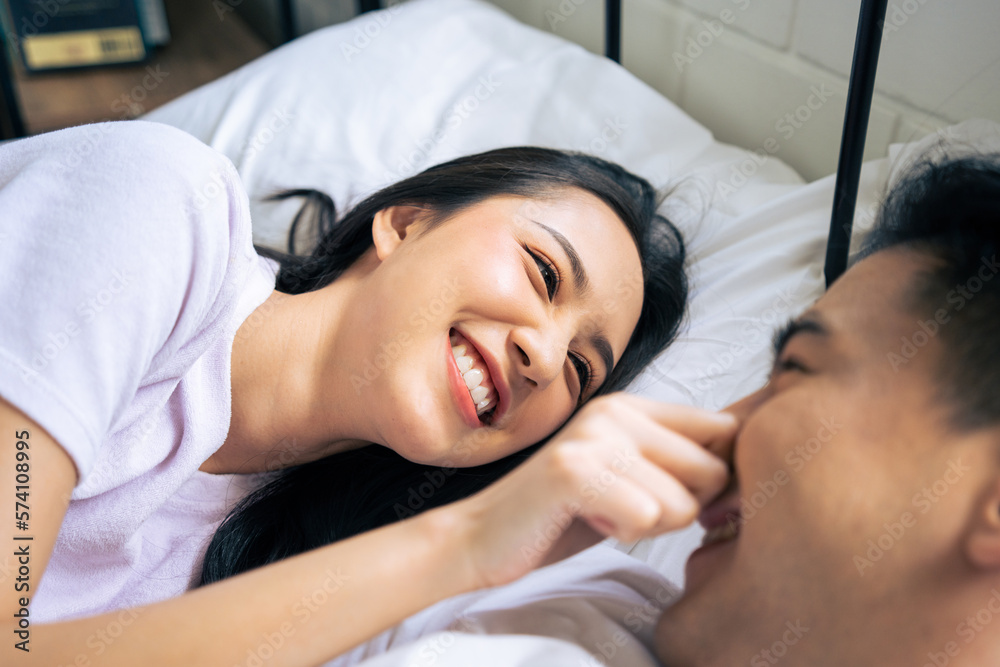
852, 143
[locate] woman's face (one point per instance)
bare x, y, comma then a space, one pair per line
478, 336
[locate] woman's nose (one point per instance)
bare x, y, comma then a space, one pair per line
539, 353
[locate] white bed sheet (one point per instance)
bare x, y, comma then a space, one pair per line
353, 107
598, 607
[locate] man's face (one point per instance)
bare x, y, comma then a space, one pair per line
852, 494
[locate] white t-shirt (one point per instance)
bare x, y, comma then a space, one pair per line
126, 268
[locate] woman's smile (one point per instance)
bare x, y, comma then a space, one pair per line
483, 384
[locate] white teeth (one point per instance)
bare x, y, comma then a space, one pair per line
473, 378
726, 531
479, 394
480, 388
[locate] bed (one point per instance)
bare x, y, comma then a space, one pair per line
353, 107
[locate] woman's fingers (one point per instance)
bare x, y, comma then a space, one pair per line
687, 461
643, 504
714, 431
634, 434
623, 466
679, 507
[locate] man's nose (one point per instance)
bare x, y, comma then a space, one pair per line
741, 409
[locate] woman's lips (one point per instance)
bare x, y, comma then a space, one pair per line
459, 392
495, 378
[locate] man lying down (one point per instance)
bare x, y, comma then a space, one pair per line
882, 549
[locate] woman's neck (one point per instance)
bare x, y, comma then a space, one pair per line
277, 417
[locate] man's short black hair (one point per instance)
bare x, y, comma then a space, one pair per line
949, 208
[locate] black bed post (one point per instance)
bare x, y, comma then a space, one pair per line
286, 17
613, 29
11, 124
852, 141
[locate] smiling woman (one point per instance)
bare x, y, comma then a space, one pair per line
542, 264
435, 335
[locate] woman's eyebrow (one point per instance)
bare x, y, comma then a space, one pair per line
808, 323
580, 279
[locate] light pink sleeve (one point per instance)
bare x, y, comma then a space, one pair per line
115, 240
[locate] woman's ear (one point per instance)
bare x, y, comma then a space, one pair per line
983, 543
391, 225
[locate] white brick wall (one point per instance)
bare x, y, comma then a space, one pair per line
752, 70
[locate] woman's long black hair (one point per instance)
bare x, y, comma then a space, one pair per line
320, 502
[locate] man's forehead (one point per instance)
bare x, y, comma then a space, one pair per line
869, 309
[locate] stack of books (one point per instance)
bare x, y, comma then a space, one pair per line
59, 34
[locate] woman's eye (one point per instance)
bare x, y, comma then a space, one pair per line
549, 273
790, 364
583, 371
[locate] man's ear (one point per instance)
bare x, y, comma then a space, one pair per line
983, 543
391, 225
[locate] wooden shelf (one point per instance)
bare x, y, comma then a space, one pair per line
203, 47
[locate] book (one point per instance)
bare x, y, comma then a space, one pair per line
57, 34
153, 21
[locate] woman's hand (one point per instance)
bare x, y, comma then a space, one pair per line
623, 467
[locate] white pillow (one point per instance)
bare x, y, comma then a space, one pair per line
356, 106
